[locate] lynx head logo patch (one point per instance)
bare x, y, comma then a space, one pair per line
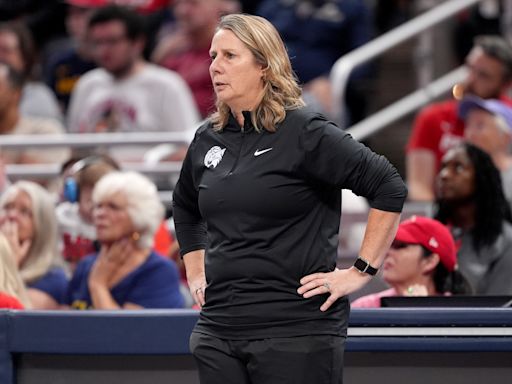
214, 156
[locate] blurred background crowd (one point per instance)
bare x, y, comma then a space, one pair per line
85, 227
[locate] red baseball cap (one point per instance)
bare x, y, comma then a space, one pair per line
431, 234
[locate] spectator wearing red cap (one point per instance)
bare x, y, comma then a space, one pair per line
422, 261
489, 127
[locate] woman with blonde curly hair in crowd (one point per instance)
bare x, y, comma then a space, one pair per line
27, 219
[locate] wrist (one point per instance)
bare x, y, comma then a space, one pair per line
97, 285
364, 267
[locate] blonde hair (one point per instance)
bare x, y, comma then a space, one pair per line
43, 253
281, 90
10, 279
144, 206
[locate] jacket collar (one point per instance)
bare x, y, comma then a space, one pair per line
233, 125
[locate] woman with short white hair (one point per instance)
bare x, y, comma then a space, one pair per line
126, 273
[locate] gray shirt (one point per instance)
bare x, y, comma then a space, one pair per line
489, 271
37, 100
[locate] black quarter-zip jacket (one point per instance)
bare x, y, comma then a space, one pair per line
266, 208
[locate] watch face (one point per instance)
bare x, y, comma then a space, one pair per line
360, 265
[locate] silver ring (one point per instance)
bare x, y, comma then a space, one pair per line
326, 285
199, 289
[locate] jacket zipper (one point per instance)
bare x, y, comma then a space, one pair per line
242, 132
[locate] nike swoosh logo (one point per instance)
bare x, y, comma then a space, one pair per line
261, 152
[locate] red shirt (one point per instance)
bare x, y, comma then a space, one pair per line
438, 128
193, 66
10, 302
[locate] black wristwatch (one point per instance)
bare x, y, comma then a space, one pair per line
364, 267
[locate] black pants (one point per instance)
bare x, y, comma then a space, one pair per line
286, 360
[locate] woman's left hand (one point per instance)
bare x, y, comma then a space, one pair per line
19, 249
337, 283
109, 261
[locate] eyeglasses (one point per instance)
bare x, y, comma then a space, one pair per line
107, 41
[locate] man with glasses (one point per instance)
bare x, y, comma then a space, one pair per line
126, 93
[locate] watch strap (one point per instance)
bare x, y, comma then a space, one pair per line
364, 266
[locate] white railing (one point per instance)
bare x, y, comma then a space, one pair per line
85, 140
343, 67
43, 171
94, 140
406, 105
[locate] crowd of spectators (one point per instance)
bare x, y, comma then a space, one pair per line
99, 67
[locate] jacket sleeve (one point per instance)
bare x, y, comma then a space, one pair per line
333, 157
189, 224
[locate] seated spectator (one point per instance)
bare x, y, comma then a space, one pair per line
126, 273
17, 50
489, 127
438, 128
68, 62
186, 49
127, 94
27, 219
422, 261
13, 293
13, 123
74, 215
75, 211
471, 202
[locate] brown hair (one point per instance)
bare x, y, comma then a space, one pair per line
89, 176
499, 49
88, 170
25, 45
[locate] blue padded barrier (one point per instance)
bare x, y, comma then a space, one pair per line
166, 332
102, 332
6, 368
